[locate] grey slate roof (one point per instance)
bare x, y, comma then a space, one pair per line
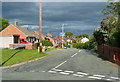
27, 32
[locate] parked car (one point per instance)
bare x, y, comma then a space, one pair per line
24, 41
65, 47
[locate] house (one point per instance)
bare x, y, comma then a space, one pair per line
24, 33
37, 33
49, 35
5, 41
83, 40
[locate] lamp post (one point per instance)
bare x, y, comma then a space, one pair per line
40, 26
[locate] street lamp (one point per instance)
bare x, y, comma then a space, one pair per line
40, 26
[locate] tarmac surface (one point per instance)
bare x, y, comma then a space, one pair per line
65, 64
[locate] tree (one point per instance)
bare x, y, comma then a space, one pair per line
78, 36
113, 8
69, 34
85, 35
3, 23
108, 23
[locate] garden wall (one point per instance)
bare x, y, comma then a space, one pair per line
111, 53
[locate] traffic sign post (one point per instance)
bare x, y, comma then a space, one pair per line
62, 34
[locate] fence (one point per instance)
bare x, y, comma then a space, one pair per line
111, 53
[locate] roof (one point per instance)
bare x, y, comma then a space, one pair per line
37, 32
27, 32
48, 34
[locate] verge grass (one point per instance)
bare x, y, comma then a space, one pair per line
11, 56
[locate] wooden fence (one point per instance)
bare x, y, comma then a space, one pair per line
111, 53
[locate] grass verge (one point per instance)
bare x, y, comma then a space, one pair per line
11, 56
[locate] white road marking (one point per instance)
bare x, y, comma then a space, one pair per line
60, 64
43, 71
57, 70
82, 73
74, 55
32, 71
69, 71
115, 78
64, 73
52, 71
79, 50
78, 75
99, 75
94, 77
109, 79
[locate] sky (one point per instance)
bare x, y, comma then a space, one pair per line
78, 17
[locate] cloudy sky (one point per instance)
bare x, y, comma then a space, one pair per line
78, 17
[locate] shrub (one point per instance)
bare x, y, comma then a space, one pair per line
78, 45
73, 41
66, 44
115, 38
46, 43
90, 45
36, 45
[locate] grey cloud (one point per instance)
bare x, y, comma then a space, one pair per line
78, 15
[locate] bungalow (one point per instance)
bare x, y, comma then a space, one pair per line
24, 33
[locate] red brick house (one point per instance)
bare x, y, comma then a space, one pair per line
23, 32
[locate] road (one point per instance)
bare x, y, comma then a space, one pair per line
65, 64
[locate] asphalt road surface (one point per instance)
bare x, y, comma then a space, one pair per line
65, 64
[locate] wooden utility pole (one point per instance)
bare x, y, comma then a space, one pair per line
40, 26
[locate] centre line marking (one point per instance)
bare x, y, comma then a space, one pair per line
60, 64
74, 55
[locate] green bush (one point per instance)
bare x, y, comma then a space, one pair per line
66, 44
46, 43
85, 45
114, 39
91, 45
73, 41
36, 45
78, 45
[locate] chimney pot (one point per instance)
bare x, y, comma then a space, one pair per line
16, 23
26, 28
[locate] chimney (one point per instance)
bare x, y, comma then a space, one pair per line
15, 23
26, 28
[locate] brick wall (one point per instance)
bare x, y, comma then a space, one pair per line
29, 46
111, 53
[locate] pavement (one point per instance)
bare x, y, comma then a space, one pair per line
65, 64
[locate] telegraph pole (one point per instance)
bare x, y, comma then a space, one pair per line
62, 36
40, 26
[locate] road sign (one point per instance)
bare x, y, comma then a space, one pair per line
62, 34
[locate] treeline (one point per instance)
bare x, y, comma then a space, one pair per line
109, 30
